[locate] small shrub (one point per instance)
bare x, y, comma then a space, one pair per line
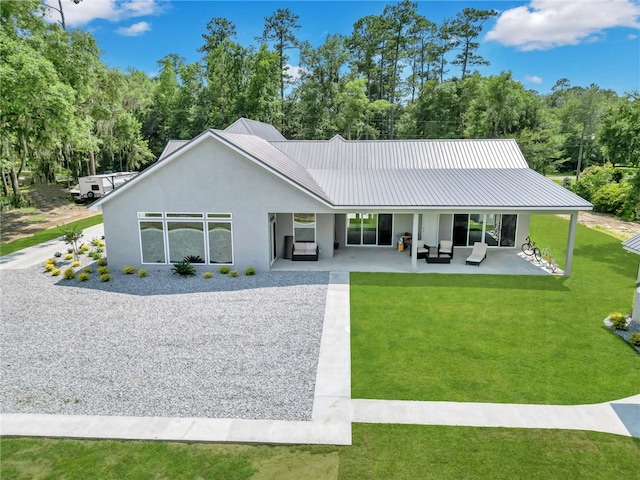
223, 270
76, 264
207, 274
49, 266
105, 277
69, 274
83, 277
86, 270
102, 270
84, 248
635, 339
184, 269
233, 273
68, 256
128, 269
55, 272
102, 262
250, 271
142, 273
618, 320
99, 250
96, 242
57, 254
70, 250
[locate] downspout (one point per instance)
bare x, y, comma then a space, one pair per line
570, 243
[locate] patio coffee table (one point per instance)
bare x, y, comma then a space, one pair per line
434, 258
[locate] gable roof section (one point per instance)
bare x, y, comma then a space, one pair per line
252, 147
632, 244
253, 127
275, 160
172, 146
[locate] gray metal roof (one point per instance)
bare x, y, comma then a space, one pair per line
265, 153
404, 154
172, 146
253, 127
632, 244
427, 174
446, 188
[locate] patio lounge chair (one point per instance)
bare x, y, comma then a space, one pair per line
445, 247
478, 254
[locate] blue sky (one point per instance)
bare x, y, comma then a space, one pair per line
539, 41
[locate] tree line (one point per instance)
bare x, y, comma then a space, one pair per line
397, 75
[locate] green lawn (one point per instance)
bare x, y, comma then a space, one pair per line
505, 339
46, 235
378, 452
432, 337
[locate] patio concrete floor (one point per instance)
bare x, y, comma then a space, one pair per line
387, 259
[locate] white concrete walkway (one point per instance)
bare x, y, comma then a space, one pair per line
599, 417
333, 410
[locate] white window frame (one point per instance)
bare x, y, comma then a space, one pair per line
188, 217
314, 227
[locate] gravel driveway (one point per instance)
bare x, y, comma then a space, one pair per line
223, 347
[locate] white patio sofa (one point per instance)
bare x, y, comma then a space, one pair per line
305, 251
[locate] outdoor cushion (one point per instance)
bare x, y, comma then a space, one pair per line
445, 248
478, 254
305, 250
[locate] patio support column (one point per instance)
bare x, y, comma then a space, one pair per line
570, 242
636, 300
414, 244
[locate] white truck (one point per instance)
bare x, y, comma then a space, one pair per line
96, 186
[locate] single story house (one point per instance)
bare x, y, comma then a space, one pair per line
240, 196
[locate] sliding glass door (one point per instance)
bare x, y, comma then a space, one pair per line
369, 229
494, 229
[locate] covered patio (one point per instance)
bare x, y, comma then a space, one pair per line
388, 259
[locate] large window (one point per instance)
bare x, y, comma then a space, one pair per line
304, 227
186, 241
174, 237
152, 242
220, 238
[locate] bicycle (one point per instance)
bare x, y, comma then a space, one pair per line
530, 250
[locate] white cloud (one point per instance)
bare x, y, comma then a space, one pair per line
546, 24
294, 72
135, 29
532, 79
112, 10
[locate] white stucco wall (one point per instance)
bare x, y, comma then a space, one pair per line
210, 177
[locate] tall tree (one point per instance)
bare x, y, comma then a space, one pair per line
464, 30
280, 28
502, 108
321, 81
399, 21
620, 132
